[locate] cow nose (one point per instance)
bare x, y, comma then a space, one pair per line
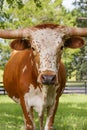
48, 79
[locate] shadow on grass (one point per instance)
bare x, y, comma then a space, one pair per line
70, 116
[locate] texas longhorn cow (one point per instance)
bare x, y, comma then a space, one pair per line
34, 75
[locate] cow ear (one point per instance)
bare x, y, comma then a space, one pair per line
74, 42
20, 44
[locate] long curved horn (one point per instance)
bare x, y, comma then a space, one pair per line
26, 32
77, 31
18, 33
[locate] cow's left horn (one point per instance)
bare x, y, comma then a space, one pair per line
77, 31
18, 33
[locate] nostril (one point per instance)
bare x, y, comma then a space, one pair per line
53, 78
44, 78
48, 79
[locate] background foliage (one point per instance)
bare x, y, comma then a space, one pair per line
23, 13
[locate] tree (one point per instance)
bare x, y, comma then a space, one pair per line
81, 21
21, 13
4, 6
4, 53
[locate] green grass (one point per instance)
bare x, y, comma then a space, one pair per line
71, 115
10, 114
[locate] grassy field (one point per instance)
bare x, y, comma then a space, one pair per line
71, 115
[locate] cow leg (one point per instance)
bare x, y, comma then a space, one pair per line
41, 121
51, 111
29, 124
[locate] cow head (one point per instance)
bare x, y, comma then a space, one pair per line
47, 43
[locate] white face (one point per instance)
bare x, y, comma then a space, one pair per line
48, 42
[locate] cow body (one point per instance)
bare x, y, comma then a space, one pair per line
34, 75
20, 82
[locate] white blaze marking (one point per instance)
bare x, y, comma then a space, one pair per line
25, 67
34, 99
16, 99
47, 122
47, 42
40, 99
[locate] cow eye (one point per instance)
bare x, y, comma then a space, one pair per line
33, 48
34, 51
62, 47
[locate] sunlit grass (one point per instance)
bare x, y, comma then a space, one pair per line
71, 115
10, 114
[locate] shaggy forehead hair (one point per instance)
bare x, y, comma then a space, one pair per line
47, 41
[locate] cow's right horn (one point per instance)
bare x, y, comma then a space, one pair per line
18, 33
